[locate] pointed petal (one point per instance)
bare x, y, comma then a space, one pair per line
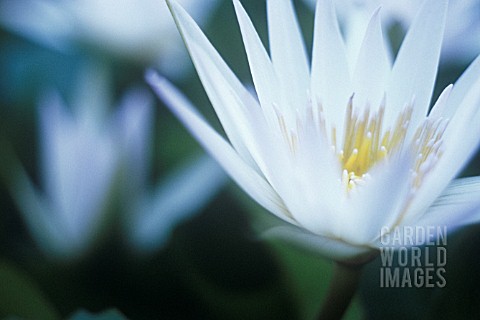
235, 106
231, 113
77, 165
327, 247
176, 199
263, 74
439, 110
461, 88
461, 140
48, 232
355, 17
330, 75
238, 116
415, 68
262, 148
372, 68
44, 228
245, 176
457, 206
288, 52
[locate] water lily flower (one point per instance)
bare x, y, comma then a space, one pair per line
78, 163
461, 32
338, 150
87, 155
142, 31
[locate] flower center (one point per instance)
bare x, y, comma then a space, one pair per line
365, 143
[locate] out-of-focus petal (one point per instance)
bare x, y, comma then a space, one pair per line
42, 21
183, 193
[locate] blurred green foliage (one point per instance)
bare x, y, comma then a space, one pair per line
21, 297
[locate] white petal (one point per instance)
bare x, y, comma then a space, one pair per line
263, 74
415, 68
230, 112
315, 194
460, 141
263, 149
237, 118
176, 199
240, 112
245, 176
439, 110
457, 206
372, 68
377, 202
41, 21
288, 53
330, 82
324, 246
461, 88
47, 230
133, 125
54, 129
355, 17
93, 94
78, 165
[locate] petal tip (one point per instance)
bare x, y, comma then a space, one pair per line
153, 78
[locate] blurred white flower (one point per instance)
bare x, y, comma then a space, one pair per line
87, 154
78, 163
461, 40
140, 30
339, 150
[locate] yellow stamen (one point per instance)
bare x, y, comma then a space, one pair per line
366, 143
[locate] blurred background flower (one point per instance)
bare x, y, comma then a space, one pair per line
460, 43
140, 31
78, 161
87, 156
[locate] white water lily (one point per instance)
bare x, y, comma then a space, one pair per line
78, 164
336, 150
84, 151
461, 31
142, 31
